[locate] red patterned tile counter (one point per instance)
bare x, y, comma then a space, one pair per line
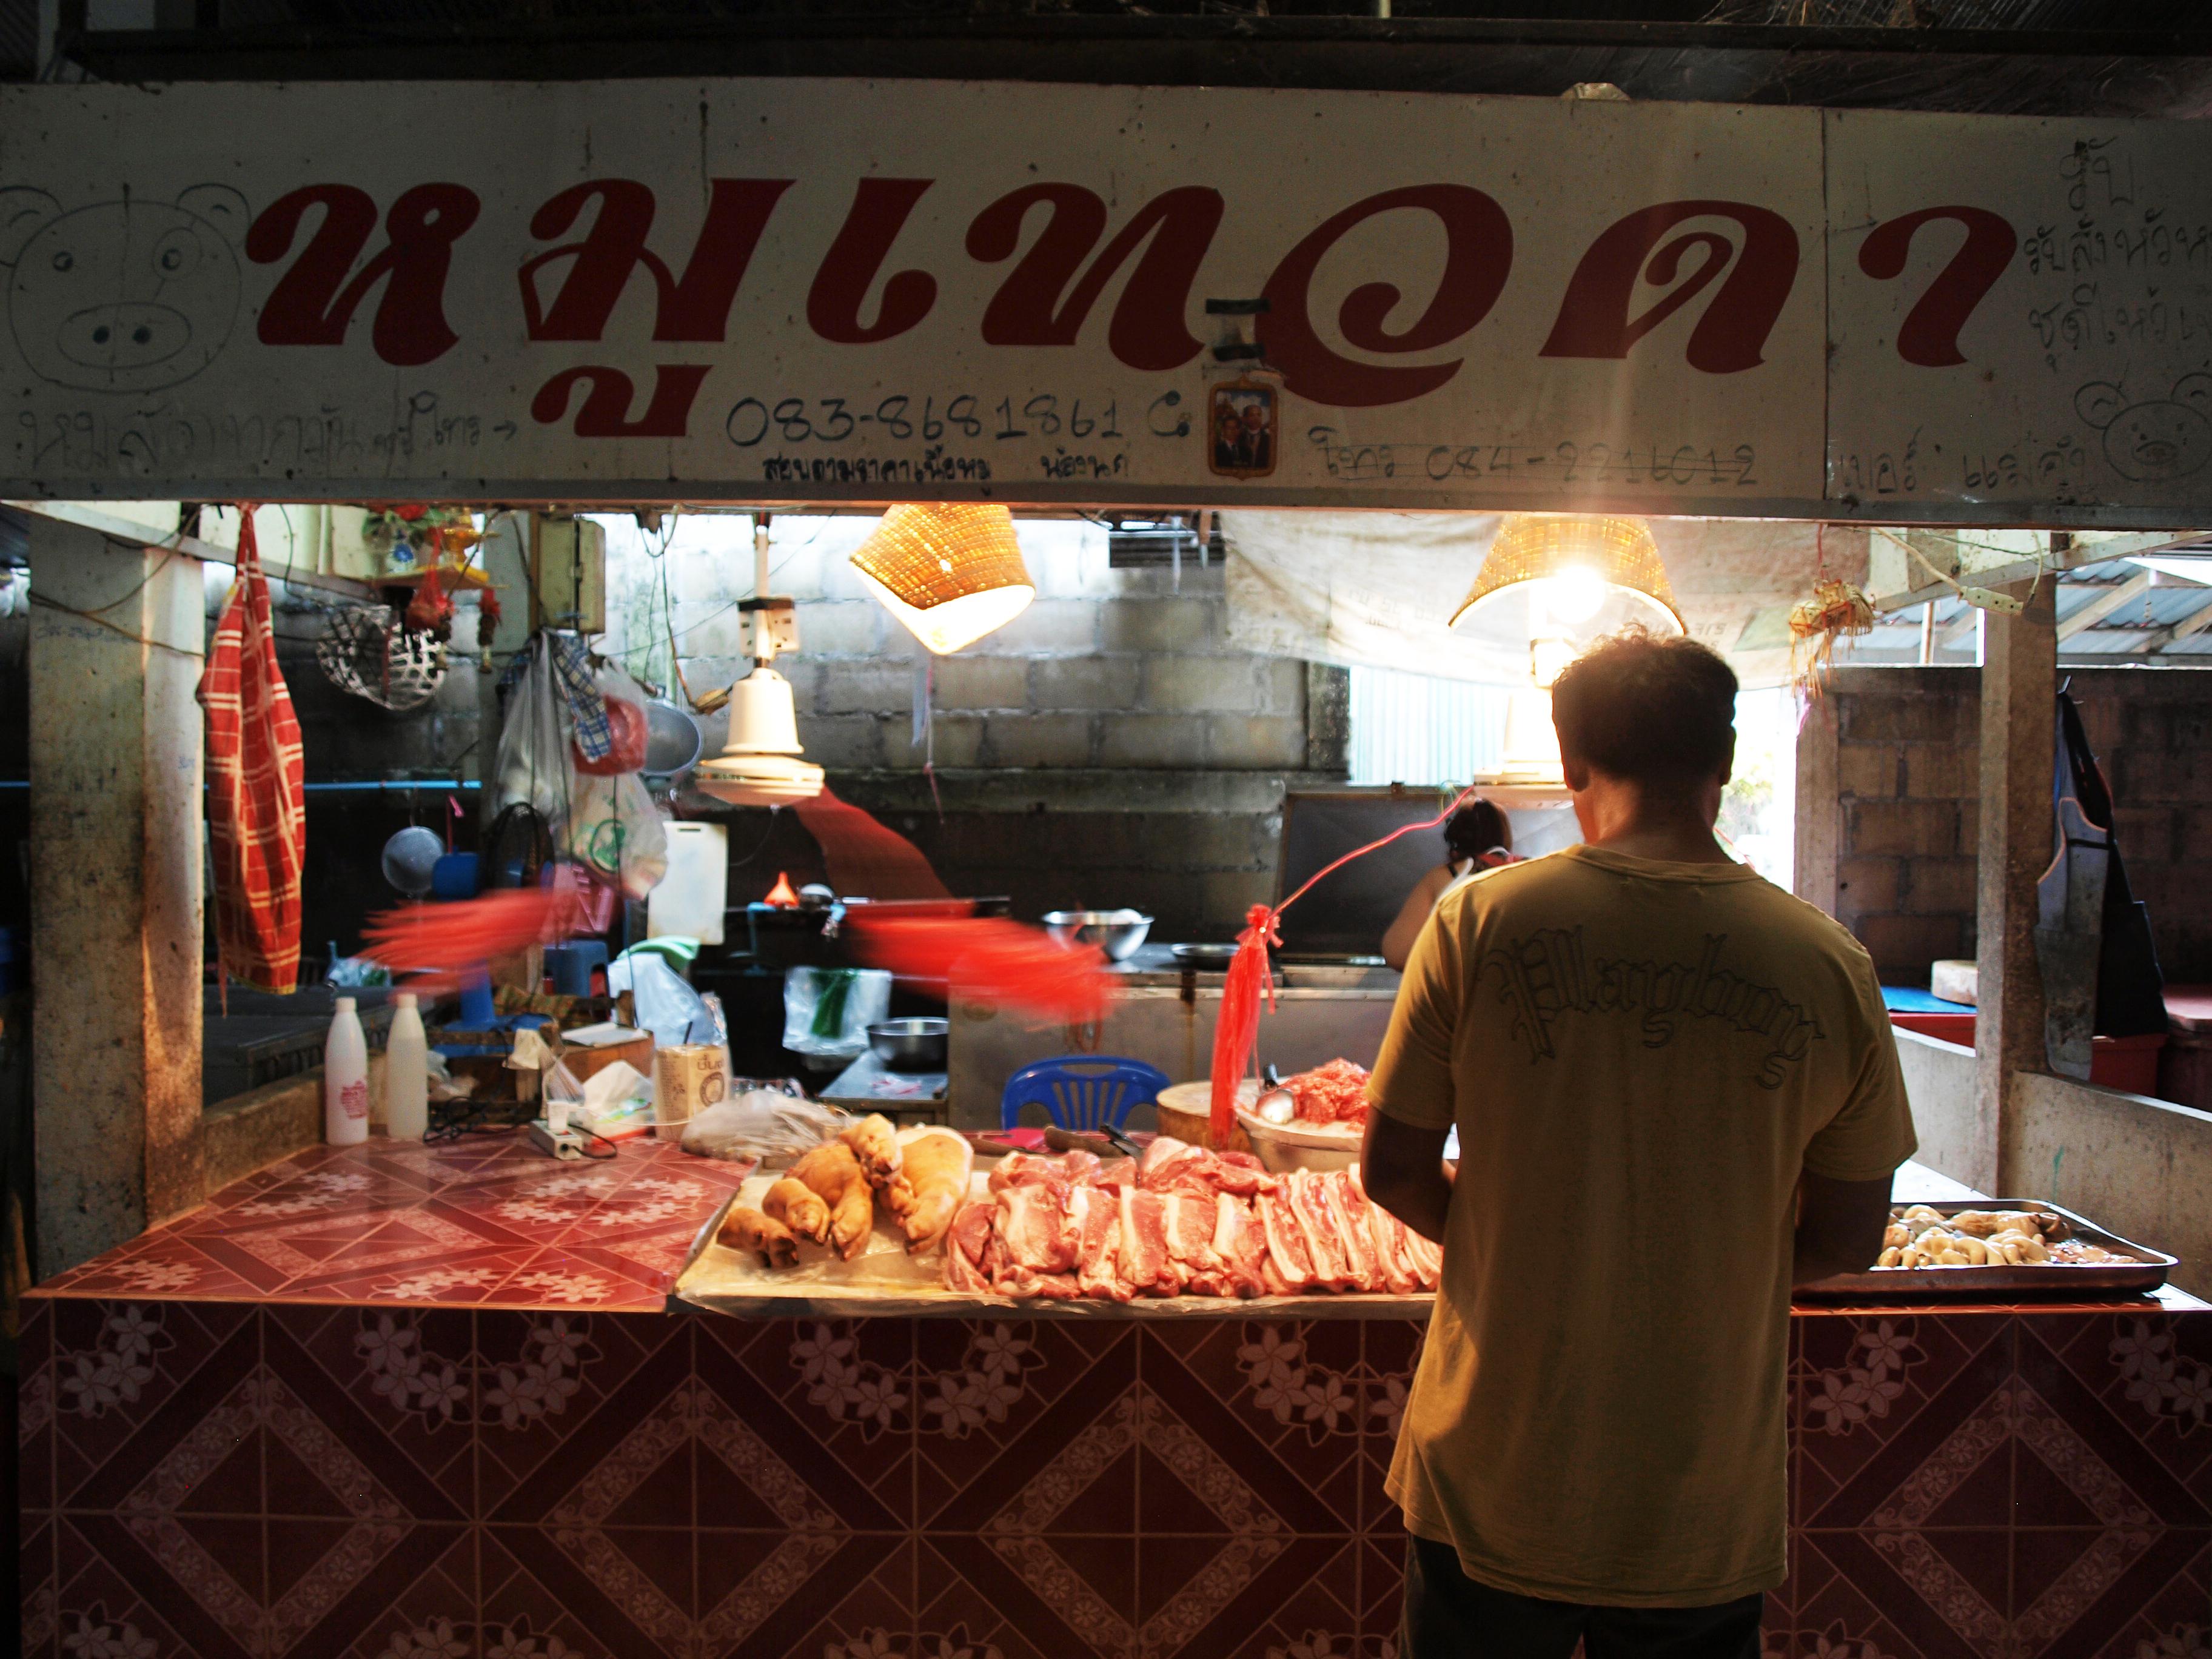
485, 1222
356, 1461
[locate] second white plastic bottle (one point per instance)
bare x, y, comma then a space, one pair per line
406, 1072
345, 1079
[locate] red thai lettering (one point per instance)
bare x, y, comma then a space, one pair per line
312, 303
1730, 335
604, 412
878, 213
1478, 254
1147, 330
694, 306
1930, 334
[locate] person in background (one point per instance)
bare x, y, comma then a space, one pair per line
1677, 1096
1477, 837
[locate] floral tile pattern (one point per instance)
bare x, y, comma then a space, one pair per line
396, 1479
478, 1223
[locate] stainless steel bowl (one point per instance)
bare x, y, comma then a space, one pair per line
910, 1045
1117, 932
1209, 957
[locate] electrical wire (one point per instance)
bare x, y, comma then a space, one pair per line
94, 617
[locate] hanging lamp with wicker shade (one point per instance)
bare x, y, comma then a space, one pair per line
1553, 582
950, 572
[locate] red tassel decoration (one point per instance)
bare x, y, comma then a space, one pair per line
1237, 1031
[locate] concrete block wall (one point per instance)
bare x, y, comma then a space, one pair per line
1107, 747
1896, 751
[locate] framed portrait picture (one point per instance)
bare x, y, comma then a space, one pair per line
1240, 434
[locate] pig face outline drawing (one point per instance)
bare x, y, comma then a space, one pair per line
2158, 439
126, 296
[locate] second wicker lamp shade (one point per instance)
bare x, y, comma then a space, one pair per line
950, 572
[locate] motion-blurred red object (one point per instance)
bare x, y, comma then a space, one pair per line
627, 733
988, 957
433, 944
862, 856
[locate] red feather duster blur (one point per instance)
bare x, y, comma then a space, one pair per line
988, 957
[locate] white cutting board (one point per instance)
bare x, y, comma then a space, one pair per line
692, 897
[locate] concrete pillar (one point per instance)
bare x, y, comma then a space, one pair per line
1820, 819
2020, 684
116, 882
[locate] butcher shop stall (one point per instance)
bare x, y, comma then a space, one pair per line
833, 1125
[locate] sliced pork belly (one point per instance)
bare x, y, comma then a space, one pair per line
1030, 1168
1098, 1261
1187, 1222
1309, 1207
966, 1245
1168, 1163
1239, 1246
1037, 1226
1428, 1259
1240, 1172
1287, 1252
1347, 1208
1387, 1235
1146, 1263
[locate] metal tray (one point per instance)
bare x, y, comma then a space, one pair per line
2144, 1272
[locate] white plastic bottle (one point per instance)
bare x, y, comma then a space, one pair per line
345, 1079
406, 1072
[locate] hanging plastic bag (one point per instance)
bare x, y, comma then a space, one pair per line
826, 1011
534, 768
614, 827
627, 726
666, 1004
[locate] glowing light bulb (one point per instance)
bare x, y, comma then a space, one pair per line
1572, 596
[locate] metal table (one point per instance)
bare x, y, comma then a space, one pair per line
869, 1085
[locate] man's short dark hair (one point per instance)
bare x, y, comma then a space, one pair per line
1660, 712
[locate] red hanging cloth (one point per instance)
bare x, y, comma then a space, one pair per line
257, 795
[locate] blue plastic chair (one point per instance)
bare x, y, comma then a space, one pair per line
1081, 1091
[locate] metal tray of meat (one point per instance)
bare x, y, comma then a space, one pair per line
2144, 1270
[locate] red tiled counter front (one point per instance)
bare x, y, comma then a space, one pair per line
225, 1479
301, 1422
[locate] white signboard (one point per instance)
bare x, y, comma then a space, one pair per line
819, 290
2022, 315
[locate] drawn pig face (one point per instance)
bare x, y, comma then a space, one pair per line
121, 297
2164, 438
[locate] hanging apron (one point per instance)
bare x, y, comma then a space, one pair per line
257, 799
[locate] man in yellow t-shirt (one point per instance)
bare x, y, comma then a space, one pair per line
1676, 1095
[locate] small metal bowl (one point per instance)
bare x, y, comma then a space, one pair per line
1208, 957
910, 1045
1117, 932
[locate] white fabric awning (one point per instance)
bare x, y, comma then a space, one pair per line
1377, 590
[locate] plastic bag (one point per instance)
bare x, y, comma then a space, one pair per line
826, 1011
761, 1123
533, 764
613, 827
665, 1006
627, 727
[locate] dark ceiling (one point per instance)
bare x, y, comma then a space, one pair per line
2018, 56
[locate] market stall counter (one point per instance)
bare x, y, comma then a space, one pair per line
399, 1399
